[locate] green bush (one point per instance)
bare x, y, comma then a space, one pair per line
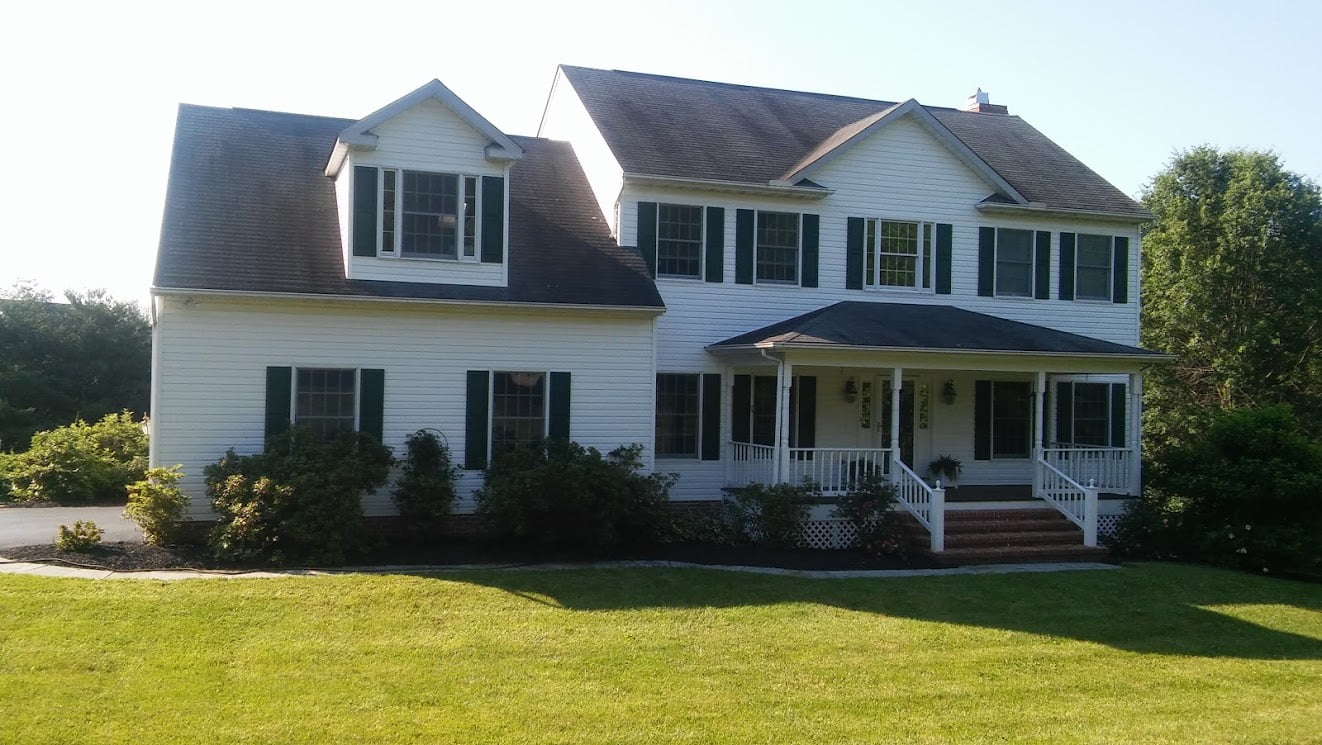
81, 463
702, 525
300, 501
157, 505
82, 536
772, 515
426, 489
869, 506
1248, 494
6, 463
563, 493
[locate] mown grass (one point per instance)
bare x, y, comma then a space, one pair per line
1151, 653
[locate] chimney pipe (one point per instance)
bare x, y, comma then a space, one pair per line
980, 103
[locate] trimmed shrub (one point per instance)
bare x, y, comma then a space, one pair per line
563, 493
157, 505
869, 506
82, 536
81, 463
426, 489
772, 515
300, 501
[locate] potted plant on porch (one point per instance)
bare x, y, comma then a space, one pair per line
946, 468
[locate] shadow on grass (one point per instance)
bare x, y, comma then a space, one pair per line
1156, 609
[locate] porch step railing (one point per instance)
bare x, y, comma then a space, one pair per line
927, 504
1109, 468
750, 464
835, 470
1076, 502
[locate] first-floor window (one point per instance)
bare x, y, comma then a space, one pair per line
1014, 262
325, 401
1092, 414
898, 254
1012, 417
764, 411
518, 409
678, 410
778, 247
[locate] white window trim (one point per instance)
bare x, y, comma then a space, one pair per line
924, 268
656, 400
1032, 422
357, 392
1110, 269
1032, 265
396, 252
702, 242
491, 406
798, 250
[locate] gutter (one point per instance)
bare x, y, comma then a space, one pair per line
736, 187
184, 292
1038, 209
764, 346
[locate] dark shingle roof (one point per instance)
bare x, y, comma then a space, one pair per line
663, 126
248, 208
911, 326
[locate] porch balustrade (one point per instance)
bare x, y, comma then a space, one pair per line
1110, 469
1078, 503
925, 503
751, 464
835, 470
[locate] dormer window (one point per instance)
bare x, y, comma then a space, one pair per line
429, 215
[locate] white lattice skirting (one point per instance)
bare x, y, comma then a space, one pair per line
828, 534
1106, 524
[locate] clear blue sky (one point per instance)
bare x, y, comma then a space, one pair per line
90, 92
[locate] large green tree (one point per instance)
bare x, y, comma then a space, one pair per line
1232, 286
84, 358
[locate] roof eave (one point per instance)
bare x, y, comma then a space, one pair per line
159, 291
778, 188
757, 346
1139, 217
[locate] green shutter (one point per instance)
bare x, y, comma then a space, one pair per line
811, 225
1118, 407
372, 403
279, 385
854, 254
364, 211
944, 256
741, 409
986, 261
493, 219
476, 425
1042, 270
715, 244
1064, 414
711, 416
1120, 271
647, 235
745, 233
1066, 266
982, 420
807, 401
558, 427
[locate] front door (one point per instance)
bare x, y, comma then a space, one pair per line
882, 427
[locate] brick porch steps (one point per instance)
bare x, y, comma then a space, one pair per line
999, 536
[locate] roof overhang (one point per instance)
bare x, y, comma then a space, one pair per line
312, 296
721, 350
779, 189
359, 135
1004, 208
851, 134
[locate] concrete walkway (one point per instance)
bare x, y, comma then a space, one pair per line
56, 570
31, 526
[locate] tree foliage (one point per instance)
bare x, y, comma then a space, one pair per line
1232, 286
82, 359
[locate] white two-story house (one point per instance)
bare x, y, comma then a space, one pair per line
754, 284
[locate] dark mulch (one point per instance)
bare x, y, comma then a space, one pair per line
130, 556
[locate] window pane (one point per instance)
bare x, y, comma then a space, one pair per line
898, 254
324, 401
1012, 409
470, 216
677, 415
1092, 410
1093, 267
678, 240
1014, 262
777, 247
430, 215
518, 409
764, 410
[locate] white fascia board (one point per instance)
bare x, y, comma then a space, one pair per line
578, 307
787, 346
1043, 210
730, 187
938, 130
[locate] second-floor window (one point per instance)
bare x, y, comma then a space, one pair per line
1092, 267
1014, 262
778, 247
429, 215
678, 240
898, 254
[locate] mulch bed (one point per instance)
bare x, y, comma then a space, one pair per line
134, 556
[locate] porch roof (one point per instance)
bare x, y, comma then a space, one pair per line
921, 327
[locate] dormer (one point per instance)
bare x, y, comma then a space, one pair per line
422, 187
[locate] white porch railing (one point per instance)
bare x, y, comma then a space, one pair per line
926, 504
751, 463
1110, 469
1076, 502
835, 470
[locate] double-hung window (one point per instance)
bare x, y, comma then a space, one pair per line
778, 252
1092, 267
518, 409
1014, 262
678, 240
1011, 419
429, 215
898, 254
1092, 414
678, 415
325, 401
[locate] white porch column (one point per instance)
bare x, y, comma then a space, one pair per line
897, 382
785, 379
1135, 433
1039, 408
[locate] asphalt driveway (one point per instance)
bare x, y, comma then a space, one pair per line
27, 526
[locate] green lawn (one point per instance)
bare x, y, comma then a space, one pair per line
1152, 653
